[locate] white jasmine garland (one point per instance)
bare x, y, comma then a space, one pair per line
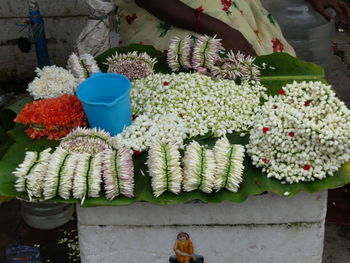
30, 173
302, 134
146, 130
206, 51
87, 177
118, 173
164, 168
198, 168
23, 169
59, 176
132, 65
52, 82
179, 53
205, 105
82, 67
87, 140
236, 66
229, 165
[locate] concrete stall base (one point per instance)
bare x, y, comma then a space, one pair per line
265, 229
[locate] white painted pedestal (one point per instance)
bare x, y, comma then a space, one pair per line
263, 229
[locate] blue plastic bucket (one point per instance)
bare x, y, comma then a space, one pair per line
106, 101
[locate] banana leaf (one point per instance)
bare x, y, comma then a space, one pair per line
281, 69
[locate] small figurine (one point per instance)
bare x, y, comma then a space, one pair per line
184, 252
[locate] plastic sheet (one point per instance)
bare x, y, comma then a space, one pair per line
95, 37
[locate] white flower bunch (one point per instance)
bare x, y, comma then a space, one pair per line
52, 82
302, 134
65, 172
205, 105
87, 177
82, 66
203, 55
180, 53
198, 168
118, 173
236, 66
132, 65
31, 173
206, 52
164, 168
229, 165
87, 140
146, 130
60, 172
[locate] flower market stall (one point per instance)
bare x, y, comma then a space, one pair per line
200, 130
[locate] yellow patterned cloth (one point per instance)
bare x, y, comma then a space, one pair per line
247, 16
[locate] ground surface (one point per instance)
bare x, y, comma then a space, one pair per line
57, 246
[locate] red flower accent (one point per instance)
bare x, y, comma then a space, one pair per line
165, 83
277, 45
307, 103
137, 153
264, 160
227, 4
307, 167
200, 9
282, 92
291, 134
265, 130
130, 18
53, 118
242, 13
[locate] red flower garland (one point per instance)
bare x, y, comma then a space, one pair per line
53, 118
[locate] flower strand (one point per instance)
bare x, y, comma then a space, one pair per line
179, 53
236, 66
204, 105
118, 173
31, 172
146, 130
164, 168
53, 118
52, 82
60, 172
82, 67
87, 140
198, 168
87, 177
206, 52
301, 134
132, 65
229, 165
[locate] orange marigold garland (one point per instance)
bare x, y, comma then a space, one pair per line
53, 118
